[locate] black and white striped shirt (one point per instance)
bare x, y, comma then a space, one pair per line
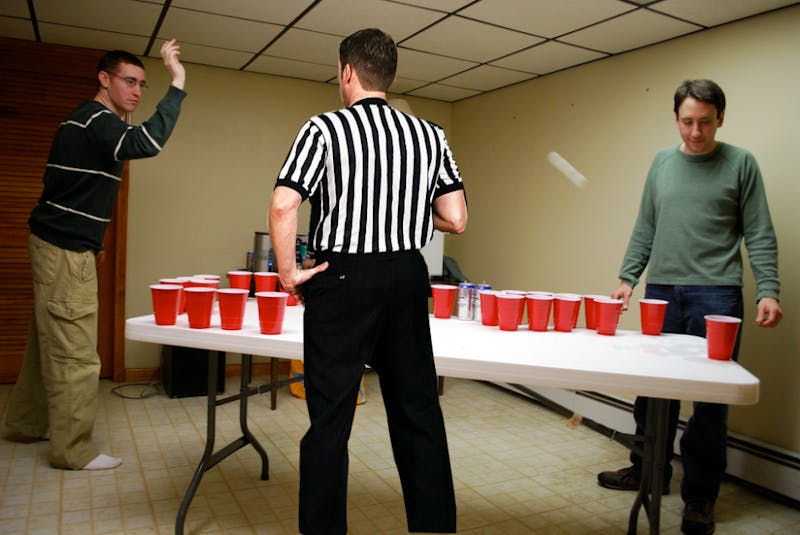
371, 173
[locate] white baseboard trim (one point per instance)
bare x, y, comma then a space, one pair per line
763, 465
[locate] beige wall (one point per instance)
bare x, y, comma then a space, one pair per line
194, 208
530, 228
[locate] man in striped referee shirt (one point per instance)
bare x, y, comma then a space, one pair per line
379, 182
56, 392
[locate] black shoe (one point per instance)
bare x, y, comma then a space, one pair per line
698, 518
625, 479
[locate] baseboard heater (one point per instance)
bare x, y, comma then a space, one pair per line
763, 467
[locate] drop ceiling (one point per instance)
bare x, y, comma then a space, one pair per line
448, 49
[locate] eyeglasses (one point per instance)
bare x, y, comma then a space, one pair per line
129, 81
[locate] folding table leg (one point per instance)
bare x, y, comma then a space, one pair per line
248, 436
655, 443
208, 452
209, 459
273, 376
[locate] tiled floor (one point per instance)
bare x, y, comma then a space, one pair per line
518, 469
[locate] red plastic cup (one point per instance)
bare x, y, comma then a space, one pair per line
539, 306
577, 310
199, 301
183, 282
488, 299
166, 299
652, 313
721, 334
240, 279
588, 310
508, 310
232, 302
521, 311
444, 295
204, 281
271, 308
608, 311
291, 300
566, 308
199, 282
538, 292
206, 276
266, 281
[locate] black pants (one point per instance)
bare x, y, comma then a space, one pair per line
372, 309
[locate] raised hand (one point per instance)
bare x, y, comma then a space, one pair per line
170, 51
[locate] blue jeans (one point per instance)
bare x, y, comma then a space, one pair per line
704, 441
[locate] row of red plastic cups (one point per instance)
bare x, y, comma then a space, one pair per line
265, 281
506, 308
195, 296
602, 313
232, 303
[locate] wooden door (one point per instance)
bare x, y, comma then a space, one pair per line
41, 85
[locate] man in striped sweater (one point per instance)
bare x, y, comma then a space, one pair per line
56, 393
379, 182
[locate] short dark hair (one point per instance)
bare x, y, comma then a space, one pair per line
373, 55
702, 90
112, 59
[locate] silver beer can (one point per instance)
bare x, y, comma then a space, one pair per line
476, 300
465, 300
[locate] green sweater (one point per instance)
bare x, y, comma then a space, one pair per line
84, 170
694, 212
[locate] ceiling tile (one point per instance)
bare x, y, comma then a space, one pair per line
292, 68
97, 39
710, 13
444, 92
401, 85
547, 18
630, 31
307, 46
447, 6
343, 17
457, 37
428, 67
16, 28
15, 8
207, 55
216, 30
486, 78
548, 57
274, 11
124, 16
448, 49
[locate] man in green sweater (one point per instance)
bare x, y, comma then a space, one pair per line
700, 200
56, 393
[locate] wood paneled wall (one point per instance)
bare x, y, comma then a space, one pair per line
39, 86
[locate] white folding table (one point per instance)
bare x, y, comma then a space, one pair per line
665, 367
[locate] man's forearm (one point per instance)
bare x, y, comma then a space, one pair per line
283, 234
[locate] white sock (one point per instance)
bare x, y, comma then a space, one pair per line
103, 462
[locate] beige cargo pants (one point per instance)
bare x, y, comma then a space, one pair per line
57, 386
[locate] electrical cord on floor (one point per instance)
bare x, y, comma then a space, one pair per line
148, 389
